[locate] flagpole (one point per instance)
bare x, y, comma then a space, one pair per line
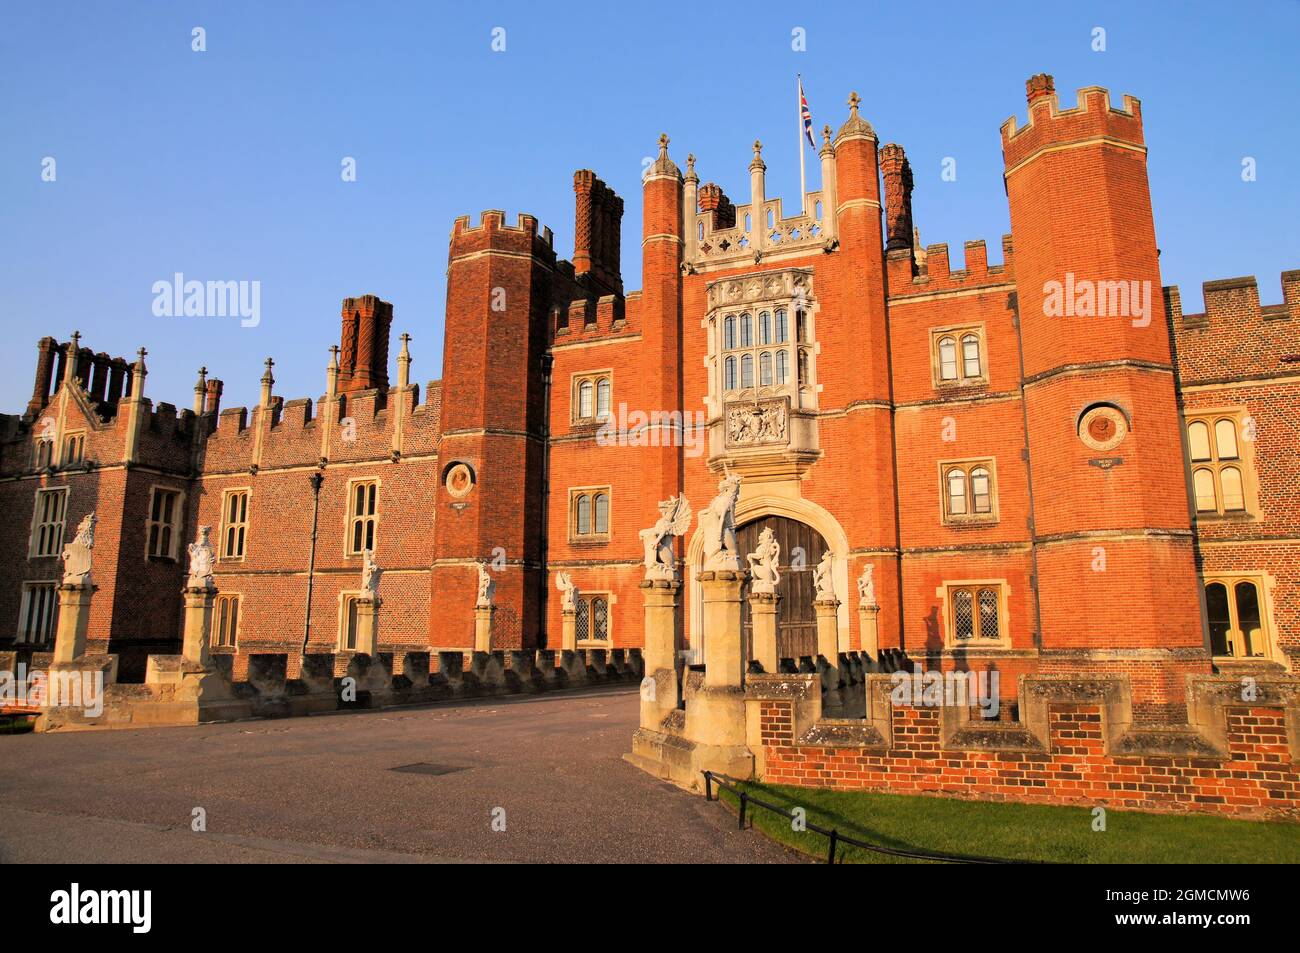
803, 181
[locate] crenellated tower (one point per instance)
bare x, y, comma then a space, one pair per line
1115, 572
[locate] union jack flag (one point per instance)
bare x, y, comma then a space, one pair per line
807, 115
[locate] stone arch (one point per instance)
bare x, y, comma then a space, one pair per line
751, 507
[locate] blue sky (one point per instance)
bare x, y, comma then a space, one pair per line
225, 165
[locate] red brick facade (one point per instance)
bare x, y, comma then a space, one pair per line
1078, 543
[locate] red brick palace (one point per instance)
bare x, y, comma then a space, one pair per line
1049, 466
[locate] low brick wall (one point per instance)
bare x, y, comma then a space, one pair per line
1076, 744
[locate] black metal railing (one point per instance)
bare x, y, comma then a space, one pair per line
833, 836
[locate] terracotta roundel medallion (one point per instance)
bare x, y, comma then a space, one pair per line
460, 480
1103, 427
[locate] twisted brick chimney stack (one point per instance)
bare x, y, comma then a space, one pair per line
363, 363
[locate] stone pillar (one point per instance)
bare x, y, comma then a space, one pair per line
757, 188
762, 610
483, 628
368, 625
198, 624
569, 630
660, 652
723, 652
869, 636
828, 629
829, 198
74, 621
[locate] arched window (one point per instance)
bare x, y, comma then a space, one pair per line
746, 331
585, 390
981, 497
728, 333
1220, 618
44, 452
583, 518
749, 224
765, 328
1203, 487
1220, 473
600, 619
602, 513
602, 398
747, 371
963, 614
780, 327
947, 359
765, 369
1198, 440
782, 367
817, 210
729, 374
803, 367
956, 492
988, 618
701, 231
1234, 499
770, 220
801, 326
970, 356
1225, 439
1248, 619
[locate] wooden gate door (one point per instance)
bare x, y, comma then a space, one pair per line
796, 620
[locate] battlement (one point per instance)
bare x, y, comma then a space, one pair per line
1236, 337
934, 270
1048, 124
492, 221
586, 318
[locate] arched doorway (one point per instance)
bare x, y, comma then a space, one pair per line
802, 546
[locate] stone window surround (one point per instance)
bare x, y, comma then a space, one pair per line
347, 597
225, 524
577, 379
593, 492
177, 523
970, 517
803, 395
348, 519
1265, 584
1245, 463
608, 640
957, 331
34, 536
945, 592
227, 597
23, 636
74, 448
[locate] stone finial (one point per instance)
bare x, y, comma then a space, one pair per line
763, 562
200, 390
404, 362
202, 560
657, 541
267, 377
718, 526
332, 372
855, 127
757, 164
827, 149
79, 554
662, 164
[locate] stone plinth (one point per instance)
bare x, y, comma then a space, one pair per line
828, 629
762, 610
724, 661
867, 623
568, 630
368, 625
74, 621
483, 628
659, 688
198, 624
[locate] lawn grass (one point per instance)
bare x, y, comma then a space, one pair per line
1026, 832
